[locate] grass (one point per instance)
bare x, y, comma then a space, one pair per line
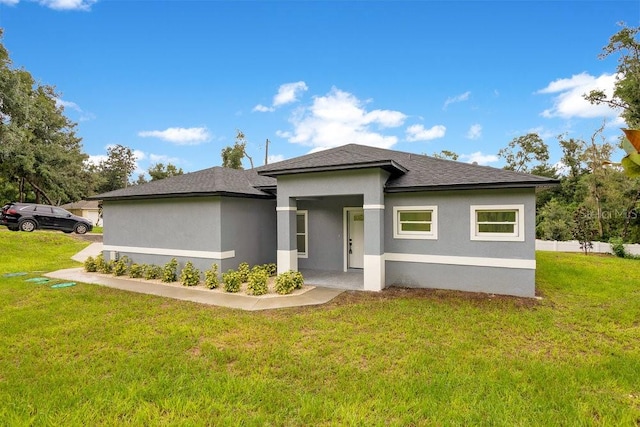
96, 229
90, 355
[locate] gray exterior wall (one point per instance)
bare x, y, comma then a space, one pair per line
326, 231
454, 230
203, 224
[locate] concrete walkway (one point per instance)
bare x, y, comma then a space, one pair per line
313, 295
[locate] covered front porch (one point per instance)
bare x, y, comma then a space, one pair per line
352, 280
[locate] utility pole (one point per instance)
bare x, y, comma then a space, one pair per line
266, 152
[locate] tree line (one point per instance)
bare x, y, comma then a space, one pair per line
41, 157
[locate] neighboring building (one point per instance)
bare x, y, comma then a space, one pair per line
399, 218
89, 209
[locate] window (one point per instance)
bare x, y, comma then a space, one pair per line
415, 222
497, 222
302, 234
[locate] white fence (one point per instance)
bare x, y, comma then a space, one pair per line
574, 246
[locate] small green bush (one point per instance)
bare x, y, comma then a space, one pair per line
257, 283
617, 246
152, 272
136, 271
288, 281
90, 265
211, 277
271, 268
121, 266
298, 280
231, 281
189, 276
103, 266
244, 270
170, 271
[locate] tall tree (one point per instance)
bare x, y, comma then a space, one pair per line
527, 153
40, 153
232, 156
626, 93
116, 169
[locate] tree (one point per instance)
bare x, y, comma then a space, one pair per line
232, 156
116, 170
521, 153
160, 171
626, 93
40, 154
446, 154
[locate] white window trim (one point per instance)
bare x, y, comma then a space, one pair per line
305, 234
431, 235
517, 236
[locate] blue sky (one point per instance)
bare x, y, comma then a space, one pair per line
173, 80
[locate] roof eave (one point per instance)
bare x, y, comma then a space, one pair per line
479, 186
185, 195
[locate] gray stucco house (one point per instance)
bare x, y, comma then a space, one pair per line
396, 218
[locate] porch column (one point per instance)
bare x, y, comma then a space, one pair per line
287, 243
374, 275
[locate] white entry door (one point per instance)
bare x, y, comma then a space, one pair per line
355, 238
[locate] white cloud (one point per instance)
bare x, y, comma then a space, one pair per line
479, 158
288, 93
68, 4
262, 108
419, 133
340, 118
96, 160
69, 105
273, 158
179, 136
162, 158
457, 98
569, 102
10, 2
474, 132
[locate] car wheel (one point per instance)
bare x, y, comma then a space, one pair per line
81, 228
28, 225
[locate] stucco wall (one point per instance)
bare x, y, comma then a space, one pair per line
204, 230
451, 261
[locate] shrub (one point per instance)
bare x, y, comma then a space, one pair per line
189, 276
121, 266
152, 272
90, 265
211, 277
103, 266
271, 269
136, 271
298, 280
170, 271
288, 281
231, 281
617, 246
243, 271
257, 283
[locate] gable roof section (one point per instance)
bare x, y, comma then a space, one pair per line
409, 172
82, 204
208, 182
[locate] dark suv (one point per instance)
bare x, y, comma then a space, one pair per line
30, 216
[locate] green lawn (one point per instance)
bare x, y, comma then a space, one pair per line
89, 355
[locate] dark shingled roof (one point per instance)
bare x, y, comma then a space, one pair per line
207, 182
409, 172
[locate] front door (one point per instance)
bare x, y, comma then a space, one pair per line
355, 238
